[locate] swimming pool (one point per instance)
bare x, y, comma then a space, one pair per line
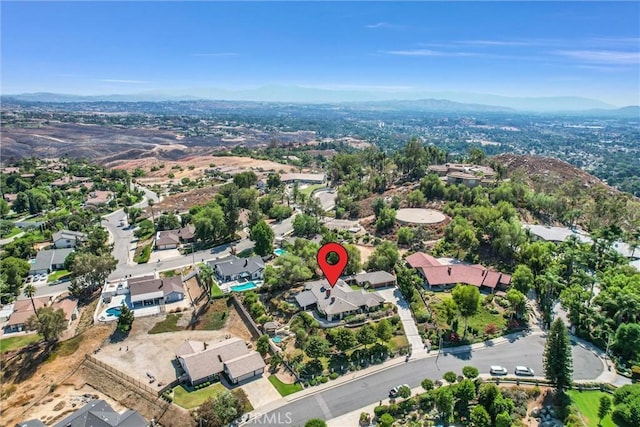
114, 311
279, 252
277, 339
244, 287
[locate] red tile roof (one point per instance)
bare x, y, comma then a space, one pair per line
465, 274
420, 259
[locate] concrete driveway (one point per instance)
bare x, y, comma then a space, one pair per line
165, 254
394, 296
260, 392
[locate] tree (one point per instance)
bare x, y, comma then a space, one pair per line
404, 392
384, 257
604, 408
29, 291
209, 223
305, 225
444, 402
384, 330
450, 309
125, 320
354, 263
503, 419
557, 359
134, 214
480, 417
406, 236
465, 392
245, 179
467, 298
316, 347
627, 341
97, 241
386, 420
4, 208
427, 384
220, 410
386, 220
274, 181
262, 234
262, 346
167, 222
90, 272
522, 279
416, 198
470, 372
48, 322
315, 422
517, 301
344, 339
377, 206
366, 335
450, 376
12, 271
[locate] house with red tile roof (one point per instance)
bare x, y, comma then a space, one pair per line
438, 276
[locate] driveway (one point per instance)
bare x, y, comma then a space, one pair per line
165, 254
394, 296
260, 391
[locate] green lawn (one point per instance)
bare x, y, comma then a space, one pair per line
587, 403
58, 275
13, 232
215, 290
66, 348
167, 325
188, 400
310, 188
14, 343
284, 389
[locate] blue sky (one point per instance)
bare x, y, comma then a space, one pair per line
585, 49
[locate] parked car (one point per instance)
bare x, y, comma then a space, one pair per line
498, 370
394, 391
523, 370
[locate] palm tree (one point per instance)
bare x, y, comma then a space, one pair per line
206, 272
29, 291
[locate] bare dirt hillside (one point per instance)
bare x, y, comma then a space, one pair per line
547, 173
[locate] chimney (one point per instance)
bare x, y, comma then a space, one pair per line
220, 358
205, 345
328, 292
449, 270
333, 299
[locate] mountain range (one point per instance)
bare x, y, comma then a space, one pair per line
422, 100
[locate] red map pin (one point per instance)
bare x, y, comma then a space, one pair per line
332, 271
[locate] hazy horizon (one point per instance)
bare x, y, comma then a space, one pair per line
521, 49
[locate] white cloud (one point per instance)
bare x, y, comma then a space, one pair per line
125, 81
496, 43
604, 68
215, 55
428, 52
601, 56
386, 26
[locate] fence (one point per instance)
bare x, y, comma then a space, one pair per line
121, 375
246, 317
190, 275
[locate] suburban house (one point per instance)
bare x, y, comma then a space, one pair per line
99, 197
203, 362
336, 302
463, 173
167, 240
22, 311
148, 290
70, 308
375, 279
303, 178
67, 239
234, 268
187, 234
554, 234
49, 260
98, 413
439, 277
463, 178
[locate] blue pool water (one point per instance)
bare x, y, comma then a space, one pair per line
277, 339
279, 252
244, 287
114, 311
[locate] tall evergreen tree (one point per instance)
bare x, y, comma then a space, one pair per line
558, 362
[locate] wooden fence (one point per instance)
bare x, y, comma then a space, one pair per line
246, 317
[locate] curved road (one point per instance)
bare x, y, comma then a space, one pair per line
351, 396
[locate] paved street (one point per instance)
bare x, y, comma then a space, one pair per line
327, 199
350, 396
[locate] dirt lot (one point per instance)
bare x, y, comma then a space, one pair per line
229, 164
33, 378
183, 201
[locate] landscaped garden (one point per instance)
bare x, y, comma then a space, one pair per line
190, 398
284, 389
587, 404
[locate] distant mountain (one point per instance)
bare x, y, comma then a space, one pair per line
310, 95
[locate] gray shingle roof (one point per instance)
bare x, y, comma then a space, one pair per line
234, 265
99, 413
341, 297
46, 258
69, 235
211, 361
375, 277
555, 234
245, 364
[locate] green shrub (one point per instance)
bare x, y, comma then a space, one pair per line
333, 375
379, 410
324, 379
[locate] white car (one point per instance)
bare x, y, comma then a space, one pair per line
523, 370
394, 391
498, 370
